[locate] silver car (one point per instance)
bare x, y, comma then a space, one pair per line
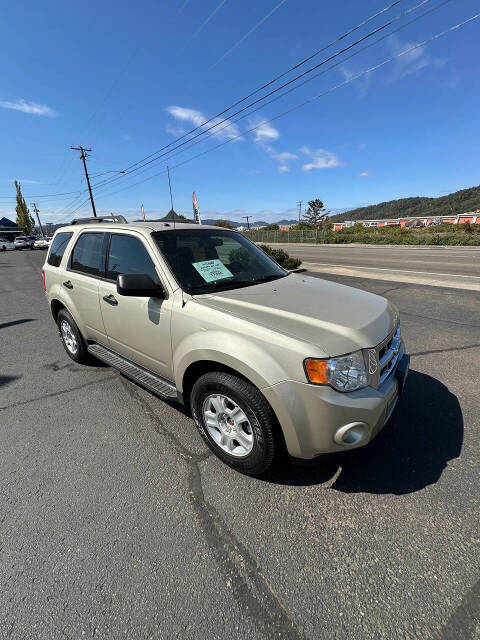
268, 362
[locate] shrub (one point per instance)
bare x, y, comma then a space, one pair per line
282, 257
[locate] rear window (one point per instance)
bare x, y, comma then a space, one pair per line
88, 254
57, 248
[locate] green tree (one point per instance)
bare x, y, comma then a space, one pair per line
271, 227
24, 219
302, 226
223, 223
313, 215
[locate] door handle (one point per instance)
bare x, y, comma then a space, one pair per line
111, 300
68, 284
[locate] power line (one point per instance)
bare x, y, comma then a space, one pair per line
254, 28
278, 97
275, 79
159, 155
310, 100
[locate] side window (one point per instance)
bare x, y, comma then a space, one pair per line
88, 254
128, 255
57, 249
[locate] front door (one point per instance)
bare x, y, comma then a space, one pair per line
137, 328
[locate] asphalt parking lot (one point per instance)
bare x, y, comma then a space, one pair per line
116, 522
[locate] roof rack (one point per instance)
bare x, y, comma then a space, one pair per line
99, 219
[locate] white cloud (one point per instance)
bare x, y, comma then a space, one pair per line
413, 61
321, 159
364, 174
225, 131
263, 134
264, 131
28, 107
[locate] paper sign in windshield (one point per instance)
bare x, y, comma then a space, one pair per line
211, 270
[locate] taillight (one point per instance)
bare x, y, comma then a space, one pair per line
43, 280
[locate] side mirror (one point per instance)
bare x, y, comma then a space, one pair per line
139, 284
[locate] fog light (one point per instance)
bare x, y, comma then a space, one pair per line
351, 434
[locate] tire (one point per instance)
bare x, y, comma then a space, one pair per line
71, 338
4, 248
260, 444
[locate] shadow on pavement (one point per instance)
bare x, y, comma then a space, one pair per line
4, 380
4, 325
424, 433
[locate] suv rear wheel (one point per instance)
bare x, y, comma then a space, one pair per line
236, 422
71, 337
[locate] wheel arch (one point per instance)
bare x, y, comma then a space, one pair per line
55, 307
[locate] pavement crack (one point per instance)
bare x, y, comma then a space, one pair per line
425, 353
56, 393
463, 324
242, 574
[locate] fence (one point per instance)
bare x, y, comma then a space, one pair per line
312, 236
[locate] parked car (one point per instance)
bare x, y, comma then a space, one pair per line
267, 361
6, 245
41, 243
24, 242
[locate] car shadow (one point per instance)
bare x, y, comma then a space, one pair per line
12, 323
410, 453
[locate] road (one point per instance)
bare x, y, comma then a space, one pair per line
453, 261
117, 523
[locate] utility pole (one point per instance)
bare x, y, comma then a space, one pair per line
83, 155
37, 212
248, 221
299, 210
171, 199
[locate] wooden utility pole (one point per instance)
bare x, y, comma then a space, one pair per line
248, 221
37, 213
83, 156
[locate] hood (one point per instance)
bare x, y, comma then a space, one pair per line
336, 318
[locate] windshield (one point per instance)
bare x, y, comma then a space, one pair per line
206, 260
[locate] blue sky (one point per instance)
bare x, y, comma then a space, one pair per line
127, 78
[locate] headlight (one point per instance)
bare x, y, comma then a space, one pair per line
346, 373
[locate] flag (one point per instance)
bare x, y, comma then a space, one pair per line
143, 214
196, 212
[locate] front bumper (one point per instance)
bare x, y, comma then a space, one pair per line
312, 417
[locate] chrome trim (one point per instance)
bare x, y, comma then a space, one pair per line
392, 345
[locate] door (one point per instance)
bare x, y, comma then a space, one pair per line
80, 284
137, 328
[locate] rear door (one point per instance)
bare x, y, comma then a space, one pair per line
81, 285
137, 328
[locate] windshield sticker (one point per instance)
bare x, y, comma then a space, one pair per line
211, 270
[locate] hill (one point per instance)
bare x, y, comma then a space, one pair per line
451, 204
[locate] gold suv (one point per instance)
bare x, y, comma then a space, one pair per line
267, 361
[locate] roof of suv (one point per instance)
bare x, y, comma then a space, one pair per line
141, 226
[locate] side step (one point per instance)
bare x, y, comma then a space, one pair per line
146, 379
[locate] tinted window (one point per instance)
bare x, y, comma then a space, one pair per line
128, 255
58, 248
88, 255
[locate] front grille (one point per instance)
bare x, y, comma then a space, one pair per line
388, 355
383, 358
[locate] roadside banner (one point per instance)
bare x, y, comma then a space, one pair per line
143, 214
196, 212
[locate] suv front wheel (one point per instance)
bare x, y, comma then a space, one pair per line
236, 422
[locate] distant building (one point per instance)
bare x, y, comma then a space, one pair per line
420, 221
9, 229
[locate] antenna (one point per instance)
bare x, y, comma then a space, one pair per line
171, 199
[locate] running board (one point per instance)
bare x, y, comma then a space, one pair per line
146, 379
